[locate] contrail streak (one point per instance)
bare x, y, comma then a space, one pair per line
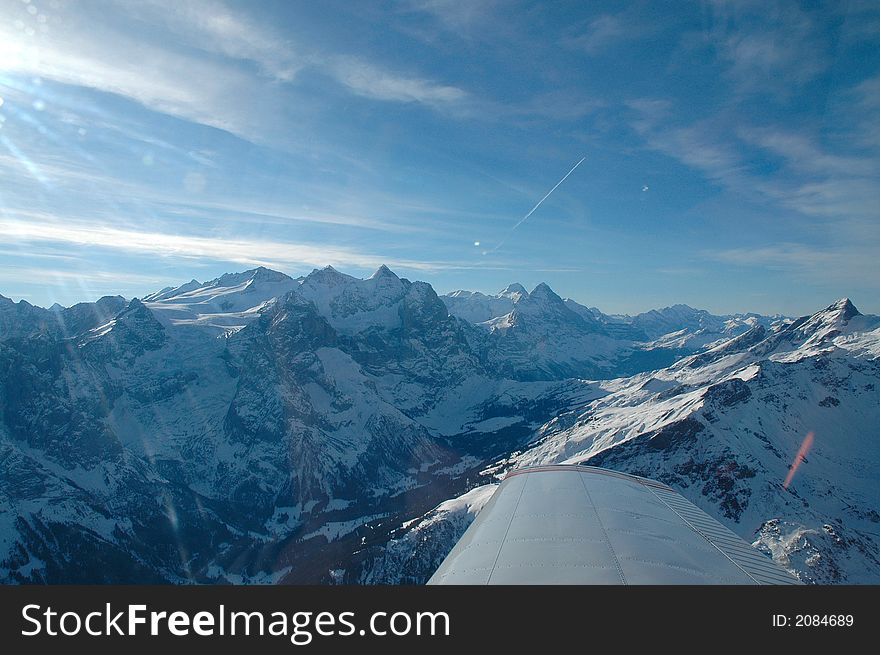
532, 210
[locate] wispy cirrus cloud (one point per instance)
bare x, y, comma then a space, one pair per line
604, 32
600, 33
217, 29
365, 79
849, 265
830, 179
201, 61
96, 56
214, 27
250, 252
68, 178
768, 47
805, 155
823, 184
25, 231
460, 18
863, 112
699, 145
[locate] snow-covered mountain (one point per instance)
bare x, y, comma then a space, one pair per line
724, 428
476, 307
225, 304
542, 339
619, 326
616, 345
259, 428
22, 319
685, 327
228, 430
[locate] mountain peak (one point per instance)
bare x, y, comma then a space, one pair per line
263, 274
384, 272
328, 272
516, 287
463, 293
542, 304
259, 274
543, 290
820, 328
844, 308
324, 276
134, 311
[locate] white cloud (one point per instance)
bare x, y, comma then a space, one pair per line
98, 57
768, 47
212, 27
805, 155
829, 184
68, 182
818, 182
810, 177
697, 145
195, 62
600, 33
365, 79
850, 201
454, 15
250, 252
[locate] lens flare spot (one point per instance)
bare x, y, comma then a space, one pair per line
799, 459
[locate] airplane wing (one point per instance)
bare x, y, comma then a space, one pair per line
571, 524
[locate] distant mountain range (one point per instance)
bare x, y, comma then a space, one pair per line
678, 326
260, 428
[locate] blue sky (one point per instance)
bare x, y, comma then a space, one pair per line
732, 149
